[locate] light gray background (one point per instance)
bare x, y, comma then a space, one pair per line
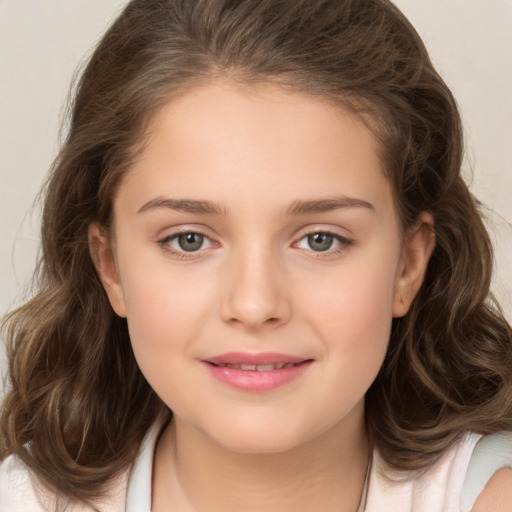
42, 42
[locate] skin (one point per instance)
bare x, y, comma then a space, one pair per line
258, 285
497, 494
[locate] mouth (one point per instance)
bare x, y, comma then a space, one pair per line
256, 372
256, 367
260, 362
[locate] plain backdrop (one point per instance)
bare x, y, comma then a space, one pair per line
43, 41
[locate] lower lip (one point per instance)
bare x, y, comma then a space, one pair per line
253, 380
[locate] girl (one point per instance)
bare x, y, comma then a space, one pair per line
263, 282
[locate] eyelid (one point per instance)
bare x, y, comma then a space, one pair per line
344, 241
164, 242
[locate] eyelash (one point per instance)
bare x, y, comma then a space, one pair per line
344, 244
164, 244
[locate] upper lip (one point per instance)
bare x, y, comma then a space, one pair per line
256, 359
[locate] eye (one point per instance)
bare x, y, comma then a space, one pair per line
323, 241
320, 241
186, 242
190, 242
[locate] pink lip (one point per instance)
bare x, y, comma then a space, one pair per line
256, 380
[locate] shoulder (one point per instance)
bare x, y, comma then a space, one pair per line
20, 491
497, 494
473, 475
488, 483
16, 488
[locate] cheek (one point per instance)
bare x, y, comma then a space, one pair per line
165, 313
163, 323
353, 313
359, 337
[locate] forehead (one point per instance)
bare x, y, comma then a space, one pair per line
231, 141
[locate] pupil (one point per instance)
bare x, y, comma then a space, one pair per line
190, 241
320, 241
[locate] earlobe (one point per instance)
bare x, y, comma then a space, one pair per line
418, 247
103, 258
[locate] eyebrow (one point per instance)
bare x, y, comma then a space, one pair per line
299, 207
327, 205
183, 205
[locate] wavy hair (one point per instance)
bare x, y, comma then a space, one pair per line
78, 406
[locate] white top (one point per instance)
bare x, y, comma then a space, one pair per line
451, 485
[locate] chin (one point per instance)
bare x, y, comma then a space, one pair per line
260, 439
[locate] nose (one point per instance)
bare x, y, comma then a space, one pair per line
256, 293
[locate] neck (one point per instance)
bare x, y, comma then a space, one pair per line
326, 473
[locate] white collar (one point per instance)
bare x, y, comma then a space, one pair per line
138, 497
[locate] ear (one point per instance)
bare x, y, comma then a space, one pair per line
418, 246
103, 257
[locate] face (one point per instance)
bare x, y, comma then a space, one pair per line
258, 260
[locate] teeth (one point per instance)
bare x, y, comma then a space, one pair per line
257, 367
251, 367
265, 367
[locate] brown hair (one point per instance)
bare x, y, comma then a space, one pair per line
78, 406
